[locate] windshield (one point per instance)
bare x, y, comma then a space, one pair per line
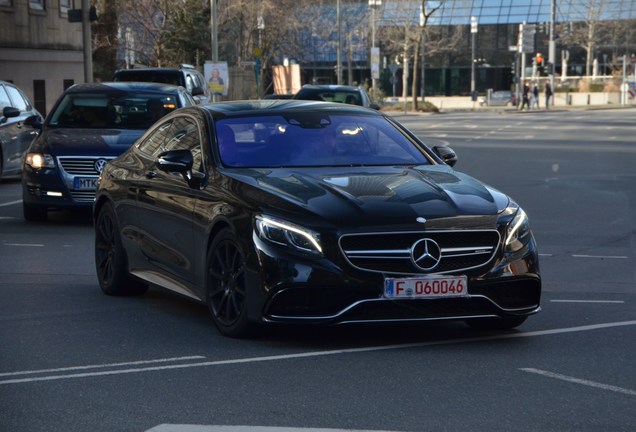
314, 139
103, 111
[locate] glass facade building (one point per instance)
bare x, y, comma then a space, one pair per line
447, 71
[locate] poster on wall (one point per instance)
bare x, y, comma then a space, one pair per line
217, 77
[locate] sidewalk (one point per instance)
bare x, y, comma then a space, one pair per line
577, 101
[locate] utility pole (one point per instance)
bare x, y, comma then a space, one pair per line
214, 31
339, 46
552, 48
86, 40
473, 32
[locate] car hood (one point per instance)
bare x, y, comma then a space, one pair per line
77, 142
375, 195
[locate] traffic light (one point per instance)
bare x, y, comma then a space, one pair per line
539, 59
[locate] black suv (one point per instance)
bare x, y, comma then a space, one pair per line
185, 76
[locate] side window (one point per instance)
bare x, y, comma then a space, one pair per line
4, 98
154, 144
185, 136
16, 99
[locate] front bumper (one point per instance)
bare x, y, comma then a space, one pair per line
325, 292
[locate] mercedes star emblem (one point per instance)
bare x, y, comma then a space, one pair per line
426, 254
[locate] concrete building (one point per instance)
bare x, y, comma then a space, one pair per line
40, 50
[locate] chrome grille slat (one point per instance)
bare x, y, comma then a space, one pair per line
83, 166
461, 250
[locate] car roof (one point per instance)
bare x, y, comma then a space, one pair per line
332, 87
108, 87
280, 106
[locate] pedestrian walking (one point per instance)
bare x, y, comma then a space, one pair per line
525, 96
534, 97
548, 95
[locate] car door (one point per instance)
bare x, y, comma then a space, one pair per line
15, 136
165, 203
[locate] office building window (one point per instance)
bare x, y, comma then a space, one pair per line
6, 3
65, 5
36, 5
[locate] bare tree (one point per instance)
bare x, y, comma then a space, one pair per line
586, 15
405, 33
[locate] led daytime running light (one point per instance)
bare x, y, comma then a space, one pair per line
281, 225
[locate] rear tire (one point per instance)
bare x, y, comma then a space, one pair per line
226, 282
110, 257
34, 213
495, 323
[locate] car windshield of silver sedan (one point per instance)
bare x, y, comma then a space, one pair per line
309, 140
103, 111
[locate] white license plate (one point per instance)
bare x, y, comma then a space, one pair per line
85, 183
426, 287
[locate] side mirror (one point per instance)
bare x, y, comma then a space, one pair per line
197, 91
10, 112
446, 154
375, 106
179, 161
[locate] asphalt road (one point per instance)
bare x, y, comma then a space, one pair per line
73, 359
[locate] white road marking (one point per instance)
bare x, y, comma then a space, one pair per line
220, 428
10, 203
587, 301
140, 362
601, 256
580, 381
322, 353
24, 244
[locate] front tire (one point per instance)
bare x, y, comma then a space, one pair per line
110, 257
226, 294
34, 213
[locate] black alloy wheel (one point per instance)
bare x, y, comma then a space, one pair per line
34, 213
226, 295
110, 258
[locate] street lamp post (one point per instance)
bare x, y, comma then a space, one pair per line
473, 32
339, 46
375, 55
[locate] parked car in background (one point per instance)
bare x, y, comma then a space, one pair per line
89, 125
16, 116
186, 76
336, 93
310, 213
498, 98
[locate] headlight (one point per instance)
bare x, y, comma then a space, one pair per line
518, 232
38, 161
288, 235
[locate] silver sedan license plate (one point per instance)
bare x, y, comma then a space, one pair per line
425, 287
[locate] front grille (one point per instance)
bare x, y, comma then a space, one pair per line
83, 166
391, 252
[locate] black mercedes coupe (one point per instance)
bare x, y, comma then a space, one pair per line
307, 212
